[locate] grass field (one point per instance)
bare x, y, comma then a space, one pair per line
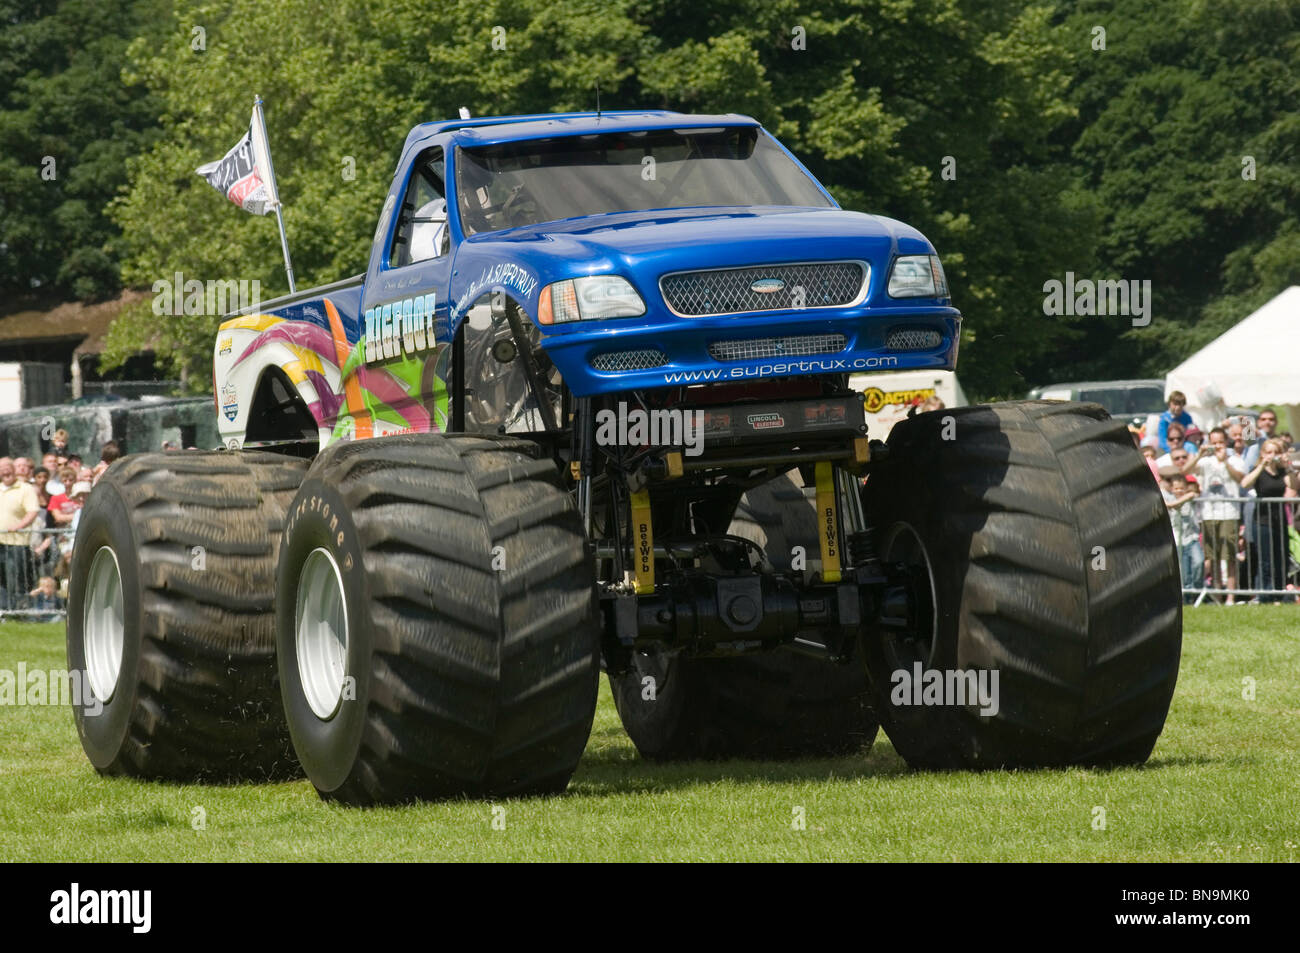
1221, 785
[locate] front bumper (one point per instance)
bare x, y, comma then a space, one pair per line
679, 348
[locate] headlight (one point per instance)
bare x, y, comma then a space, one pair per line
917, 276
589, 299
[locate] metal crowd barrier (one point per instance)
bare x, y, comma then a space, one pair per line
1271, 566
1266, 567
21, 569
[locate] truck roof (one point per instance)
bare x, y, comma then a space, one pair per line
492, 129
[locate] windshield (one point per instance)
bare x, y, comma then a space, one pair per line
545, 180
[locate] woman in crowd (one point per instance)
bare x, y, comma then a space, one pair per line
44, 552
1271, 479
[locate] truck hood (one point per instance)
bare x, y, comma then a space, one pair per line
643, 246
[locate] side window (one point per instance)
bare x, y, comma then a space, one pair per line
422, 219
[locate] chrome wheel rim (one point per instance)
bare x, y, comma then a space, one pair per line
103, 627
321, 633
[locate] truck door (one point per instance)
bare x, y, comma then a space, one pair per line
406, 345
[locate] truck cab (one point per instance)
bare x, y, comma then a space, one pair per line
632, 250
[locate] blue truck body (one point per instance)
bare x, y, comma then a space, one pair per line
434, 296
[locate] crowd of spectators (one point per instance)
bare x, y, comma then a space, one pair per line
40, 507
1228, 493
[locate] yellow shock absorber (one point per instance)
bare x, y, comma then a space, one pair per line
643, 543
828, 522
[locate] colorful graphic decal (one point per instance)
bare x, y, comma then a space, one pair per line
400, 328
408, 394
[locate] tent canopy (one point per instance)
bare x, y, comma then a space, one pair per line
1256, 361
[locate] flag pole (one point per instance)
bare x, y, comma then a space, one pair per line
275, 192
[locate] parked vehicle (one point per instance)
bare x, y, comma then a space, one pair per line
1131, 401
891, 397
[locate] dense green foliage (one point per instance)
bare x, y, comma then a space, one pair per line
1001, 130
1187, 97
68, 125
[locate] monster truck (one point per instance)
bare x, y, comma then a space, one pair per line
587, 408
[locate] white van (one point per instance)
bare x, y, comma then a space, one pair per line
1130, 400
888, 396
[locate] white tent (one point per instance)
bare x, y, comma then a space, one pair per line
1256, 361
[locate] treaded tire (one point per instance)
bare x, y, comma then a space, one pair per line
468, 680
196, 697
776, 705
1016, 511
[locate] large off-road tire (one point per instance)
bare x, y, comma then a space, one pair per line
774, 705
170, 616
1038, 550
437, 623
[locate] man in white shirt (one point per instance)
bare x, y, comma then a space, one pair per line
18, 509
1219, 473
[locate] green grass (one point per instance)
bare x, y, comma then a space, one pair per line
1221, 785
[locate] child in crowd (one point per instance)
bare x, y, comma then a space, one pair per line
45, 598
72, 509
61, 506
59, 443
1177, 412
1187, 529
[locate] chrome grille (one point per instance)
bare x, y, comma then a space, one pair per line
731, 290
794, 346
638, 360
912, 339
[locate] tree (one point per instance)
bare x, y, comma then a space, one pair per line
1187, 134
873, 95
67, 125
